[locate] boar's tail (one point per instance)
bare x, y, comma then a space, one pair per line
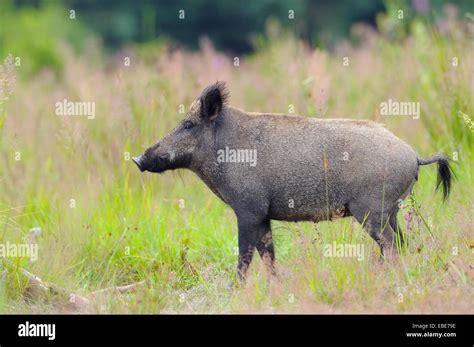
445, 172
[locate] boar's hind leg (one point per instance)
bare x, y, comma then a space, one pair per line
378, 226
266, 249
398, 231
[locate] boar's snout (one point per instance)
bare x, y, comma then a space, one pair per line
139, 162
152, 162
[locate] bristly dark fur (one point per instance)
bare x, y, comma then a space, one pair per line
445, 176
214, 99
222, 87
445, 172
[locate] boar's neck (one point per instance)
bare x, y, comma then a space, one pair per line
204, 163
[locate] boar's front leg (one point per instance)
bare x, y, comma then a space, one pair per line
253, 232
266, 249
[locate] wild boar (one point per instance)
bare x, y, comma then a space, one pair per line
291, 168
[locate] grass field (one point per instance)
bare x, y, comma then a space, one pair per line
103, 224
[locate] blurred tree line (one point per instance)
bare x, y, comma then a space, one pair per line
229, 24
37, 27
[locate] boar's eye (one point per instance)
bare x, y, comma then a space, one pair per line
188, 125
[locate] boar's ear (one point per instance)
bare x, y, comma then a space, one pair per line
213, 100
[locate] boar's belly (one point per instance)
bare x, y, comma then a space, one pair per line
307, 208
296, 215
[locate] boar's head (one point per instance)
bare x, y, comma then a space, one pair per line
191, 138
